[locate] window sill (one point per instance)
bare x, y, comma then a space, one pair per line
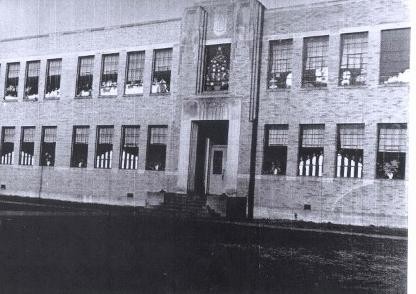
51, 98
278, 90
215, 93
133, 95
109, 96
30, 100
310, 89
394, 85
352, 87
160, 94
83, 97
10, 100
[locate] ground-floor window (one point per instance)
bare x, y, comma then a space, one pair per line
80, 138
311, 150
349, 156
156, 148
275, 150
129, 156
391, 153
7, 145
27, 146
48, 146
104, 147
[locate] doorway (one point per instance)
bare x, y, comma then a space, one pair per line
208, 157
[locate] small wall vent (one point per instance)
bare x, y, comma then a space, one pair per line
130, 195
2, 187
306, 207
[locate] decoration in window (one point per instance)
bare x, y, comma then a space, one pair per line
315, 62
349, 157
12, 80
129, 158
161, 71
395, 56
32, 80
391, 153
104, 151
85, 76
109, 75
156, 150
27, 146
53, 79
353, 69
311, 150
135, 68
7, 145
280, 64
79, 154
217, 67
48, 146
275, 150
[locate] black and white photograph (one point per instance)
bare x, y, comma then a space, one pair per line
207, 146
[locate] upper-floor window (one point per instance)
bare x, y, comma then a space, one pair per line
48, 146
85, 76
156, 148
134, 76
79, 155
53, 78
27, 146
161, 76
109, 75
217, 67
315, 62
280, 64
129, 156
391, 153
275, 149
311, 150
353, 68
349, 157
12, 80
104, 147
7, 145
32, 80
395, 56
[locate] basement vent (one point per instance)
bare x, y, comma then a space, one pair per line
130, 195
3, 187
306, 207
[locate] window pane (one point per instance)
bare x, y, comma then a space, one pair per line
27, 146
277, 135
32, 80
349, 157
7, 146
104, 152
315, 59
135, 67
395, 56
85, 76
156, 151
129, 157
392, 138
313, 136
217, 67
53, 79
158, 135
48, 146
162, 71
353, 68
80, 147
12, 80
280, 75
275, 150
109, 75
311, 151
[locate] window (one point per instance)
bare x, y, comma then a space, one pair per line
134, 78
391, 153
109, 74
53, 78
275, 150
217, 163
217, 67
27, 146
395, 56
32, 80
12, 80
311, 150
104, 149
156, 148
48, 146
315, 62
7, 145
349, 157
353, 69
85, 76
129, 156
79, 154
280, 64
161, 71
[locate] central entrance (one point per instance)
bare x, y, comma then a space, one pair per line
208, 157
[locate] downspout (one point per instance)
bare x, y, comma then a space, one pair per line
254, 100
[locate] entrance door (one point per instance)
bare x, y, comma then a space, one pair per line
217, 163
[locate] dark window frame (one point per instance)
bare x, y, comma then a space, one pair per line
134, 163
28, 159
48, 148
350, 155
26, 85
275, 155
142, 55
162, 148
112, 72
77, 85
307, 171
48, 86
357, 76
8, 81
274, 82
84, 145
10, 146
162, 88
107, 161
309, 79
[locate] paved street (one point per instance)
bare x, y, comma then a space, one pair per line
95, 251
